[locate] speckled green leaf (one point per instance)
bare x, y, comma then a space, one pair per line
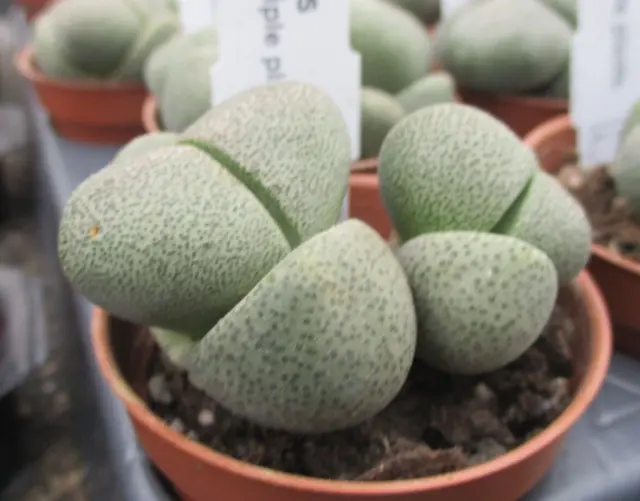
323, 342
481, 299
451, 166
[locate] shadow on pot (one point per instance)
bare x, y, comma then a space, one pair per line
617, 277
520, 113
86, 111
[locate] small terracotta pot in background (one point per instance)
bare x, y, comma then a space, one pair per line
617, 277
124, 353
86, 111
364, 197
520, 113
33, 7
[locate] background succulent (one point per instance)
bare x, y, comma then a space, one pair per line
502, 46
178, 75
105, 41
626, 166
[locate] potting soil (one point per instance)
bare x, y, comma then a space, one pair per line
438, 423
613, 223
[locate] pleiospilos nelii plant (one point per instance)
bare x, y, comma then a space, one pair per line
509, 47
394, 45
380, 111
625, 170
96, 40
488, 235
224, 241
178, 74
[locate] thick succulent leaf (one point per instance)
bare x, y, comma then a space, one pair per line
548, 217
170, 240
296, 158
451, 167
323, 342
481, 299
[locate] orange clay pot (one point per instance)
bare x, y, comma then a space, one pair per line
151, 115
364, 197
86, 111
618, 277
521, 113
124, 353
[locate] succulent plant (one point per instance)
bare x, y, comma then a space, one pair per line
568, 9
379, 112
480, 161
560, 86
544, 215
481, 299
225, 244
431, 89
143, 144
428, 11
394, 45
631, 121
104, 41
178, 75
626, 168
487, 236
502, 46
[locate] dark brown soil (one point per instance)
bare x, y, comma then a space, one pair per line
437, 424
612, 220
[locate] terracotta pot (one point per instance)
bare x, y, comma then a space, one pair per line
124, 353
33, 7
618, 277
521, 113
86, 111
364, 197
150, 114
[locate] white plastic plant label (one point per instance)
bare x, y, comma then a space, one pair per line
448, 6
197, 14
605, 80
266, 41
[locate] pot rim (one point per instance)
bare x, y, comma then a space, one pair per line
366, 167
24, 61
600, 354
548, 103
150, 114
537, 137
